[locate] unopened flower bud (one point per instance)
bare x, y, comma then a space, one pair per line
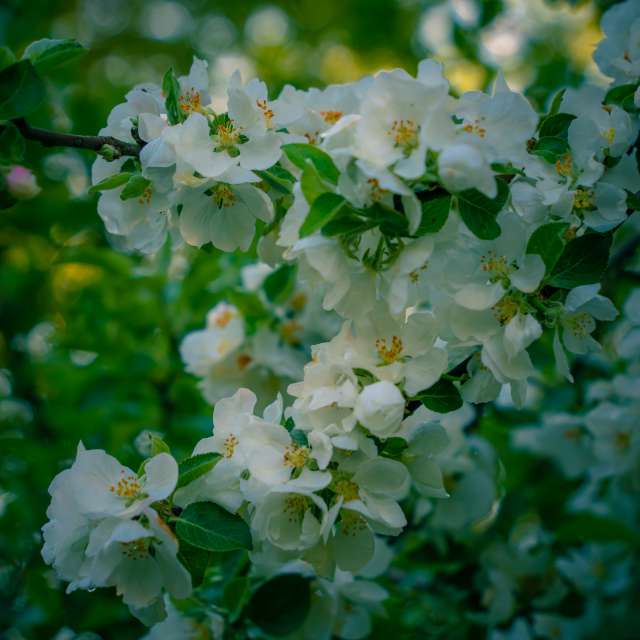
380, 408
21, 183
109, 152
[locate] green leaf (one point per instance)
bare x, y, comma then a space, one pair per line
311, 183
551, 148
279, 284
21, 90
46, 54
623, 96
11, 144
158, 445
207, 526
556, 102
135, 187
281, 605
299, 154
583, 261
112, 182
394, 447
548, 243
347, 222
441, 397
195, 560
579, 527
556, 125
479, 212
235, 596
278, 178
323, 209
6, 57
434, 215
391, 222
195, 466
171, 91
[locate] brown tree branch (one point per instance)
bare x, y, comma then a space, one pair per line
93, 143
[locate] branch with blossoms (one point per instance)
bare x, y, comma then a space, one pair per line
450, 234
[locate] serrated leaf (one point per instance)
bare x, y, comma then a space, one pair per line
195, 466
324, 208
135, 187
279, 284
434, 215
299, 154
112, 182
583, 261
441, 397
207, 526
48, 53
21, 90
479, 212
171, 92
280, 606
547, 242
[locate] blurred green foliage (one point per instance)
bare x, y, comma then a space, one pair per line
88, 336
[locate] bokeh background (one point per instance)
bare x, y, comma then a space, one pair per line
88, 336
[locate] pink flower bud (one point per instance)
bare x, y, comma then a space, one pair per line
21, 183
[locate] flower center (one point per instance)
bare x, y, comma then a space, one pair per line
295, 506
136, 549
498, 267
295, 456
223, 196
190, 101
243, 361
564, 164
267, 112
229, 446
145, 196
505, 309
391, 353
377, 192
475, 128
128, 486
348, 489
331, 117
580, 324
352, 523
289, 331
584, 199
223, 317
405, 135
228, 135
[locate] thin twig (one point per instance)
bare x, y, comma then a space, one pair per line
94, 143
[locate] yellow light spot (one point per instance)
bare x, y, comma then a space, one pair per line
229, 445
391, 353
295, 456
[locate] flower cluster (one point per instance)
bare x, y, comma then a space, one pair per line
449, 233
